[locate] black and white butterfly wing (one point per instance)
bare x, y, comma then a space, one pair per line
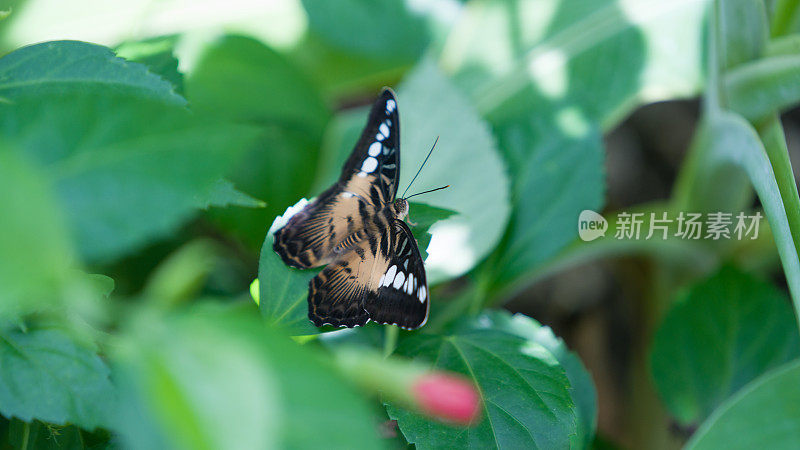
367, 182
373, 168
401, 297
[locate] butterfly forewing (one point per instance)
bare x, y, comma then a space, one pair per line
373, 168
368, 181
402, 294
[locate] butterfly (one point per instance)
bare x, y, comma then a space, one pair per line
373, 268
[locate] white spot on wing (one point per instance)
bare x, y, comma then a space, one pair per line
390, 105
346, 194
384, 129
375, 149
383, 277
362, 174
369, 164
422, 294
380, 137
389, 276
409, 288
398, 280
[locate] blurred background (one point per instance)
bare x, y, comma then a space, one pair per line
556, 106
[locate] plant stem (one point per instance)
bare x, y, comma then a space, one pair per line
390, 340
26, 434
771, 133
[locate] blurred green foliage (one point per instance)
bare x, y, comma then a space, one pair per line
140, 182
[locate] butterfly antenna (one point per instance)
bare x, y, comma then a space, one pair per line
430, 190
420, 167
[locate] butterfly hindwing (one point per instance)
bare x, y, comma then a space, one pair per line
401, 297
336, 296
368, 181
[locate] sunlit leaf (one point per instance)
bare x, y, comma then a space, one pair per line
216, 380
34, 242
68, 66
525, 392
583, 391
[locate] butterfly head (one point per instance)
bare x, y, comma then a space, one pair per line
400, 207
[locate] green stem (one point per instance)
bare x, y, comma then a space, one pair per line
771, 133
26, 434
390, 340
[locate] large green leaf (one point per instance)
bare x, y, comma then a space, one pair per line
583, 392
764, 414
759, 88
69, 66
726, 331
122, 177
34, 242
158, 55
283, 290
498, 49
381, 30
525, 392
242, 78
246, 81
49, 376
216, 380
558, 173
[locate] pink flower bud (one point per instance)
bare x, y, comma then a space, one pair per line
448, 397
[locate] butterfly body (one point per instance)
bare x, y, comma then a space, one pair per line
355, 228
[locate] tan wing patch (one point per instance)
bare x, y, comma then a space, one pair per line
310, 237
336, 296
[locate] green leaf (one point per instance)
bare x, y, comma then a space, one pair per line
583, 392
70, 66
49, 376
158, 55
763, 413
560, 176
766, 86
525, 392
499, 50
283, 290
465, 157
216, 380
394, 31
241, 78
37, 255
224, 194
424, 216
42, 436
749, 154
743, 31
244, 80
122, 178
726, 331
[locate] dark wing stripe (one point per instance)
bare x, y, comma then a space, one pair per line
402, 296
